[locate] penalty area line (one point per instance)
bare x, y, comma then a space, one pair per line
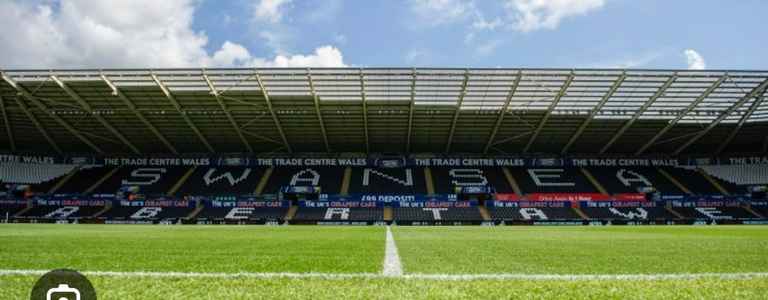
433, 277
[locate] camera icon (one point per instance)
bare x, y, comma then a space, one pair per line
62, 284
63, 292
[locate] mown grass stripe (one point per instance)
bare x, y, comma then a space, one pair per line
435, 277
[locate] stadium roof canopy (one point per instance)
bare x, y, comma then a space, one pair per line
382, 110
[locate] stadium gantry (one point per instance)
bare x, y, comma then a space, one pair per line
384, 110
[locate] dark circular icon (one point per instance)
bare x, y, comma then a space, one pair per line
63, 284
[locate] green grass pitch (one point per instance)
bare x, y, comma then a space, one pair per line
422, 250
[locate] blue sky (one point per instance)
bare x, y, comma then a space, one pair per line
366, 33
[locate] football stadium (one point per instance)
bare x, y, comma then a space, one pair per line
387, 183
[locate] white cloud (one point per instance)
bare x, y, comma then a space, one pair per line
278, 39
512, 15
322, 11
323, 57
270, 10
695, 61
519, 15
438, 12
139, 33
481, 24
487, 47
530, 15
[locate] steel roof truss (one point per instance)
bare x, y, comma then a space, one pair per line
551, 107
682, 115
595, 111
231, 120
132, 107
8, 129
456, 114
316, 99
503, 111
640, 112
87, 107
21, 90
273, 114
756, 92
183, 114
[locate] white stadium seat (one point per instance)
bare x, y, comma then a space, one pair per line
739, 174
33, 173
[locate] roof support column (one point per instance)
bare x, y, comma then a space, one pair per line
319, 113
132, 107
272, 113
687, 110
231, 120
80, 101
21, 90
8, 129
595, 111
460, 101
503, 112
760, 89
660, 92
411, 106
183, 114
551, 107
365, 111
38, 125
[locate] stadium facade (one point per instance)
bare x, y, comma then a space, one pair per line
384, 145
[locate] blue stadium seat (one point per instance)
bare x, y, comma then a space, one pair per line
328, 178
221, 181
150, 180
339, 214
446, 179
388, 181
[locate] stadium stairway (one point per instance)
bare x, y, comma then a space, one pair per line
581, 213
64, 180
198, 208
175, 188
345, 181
674, 181
512, 182
388, 215
672, 211
291, 212
748, 208
484, 213
25, 210
428, 181
107, 207
101, 180
714, 182
599, 187
263, 181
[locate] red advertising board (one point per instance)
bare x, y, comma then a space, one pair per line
568, 197
508, 197
629, 197
573, 197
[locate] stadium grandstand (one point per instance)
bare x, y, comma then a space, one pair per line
384, 146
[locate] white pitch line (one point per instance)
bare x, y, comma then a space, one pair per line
392, 265
433, 277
